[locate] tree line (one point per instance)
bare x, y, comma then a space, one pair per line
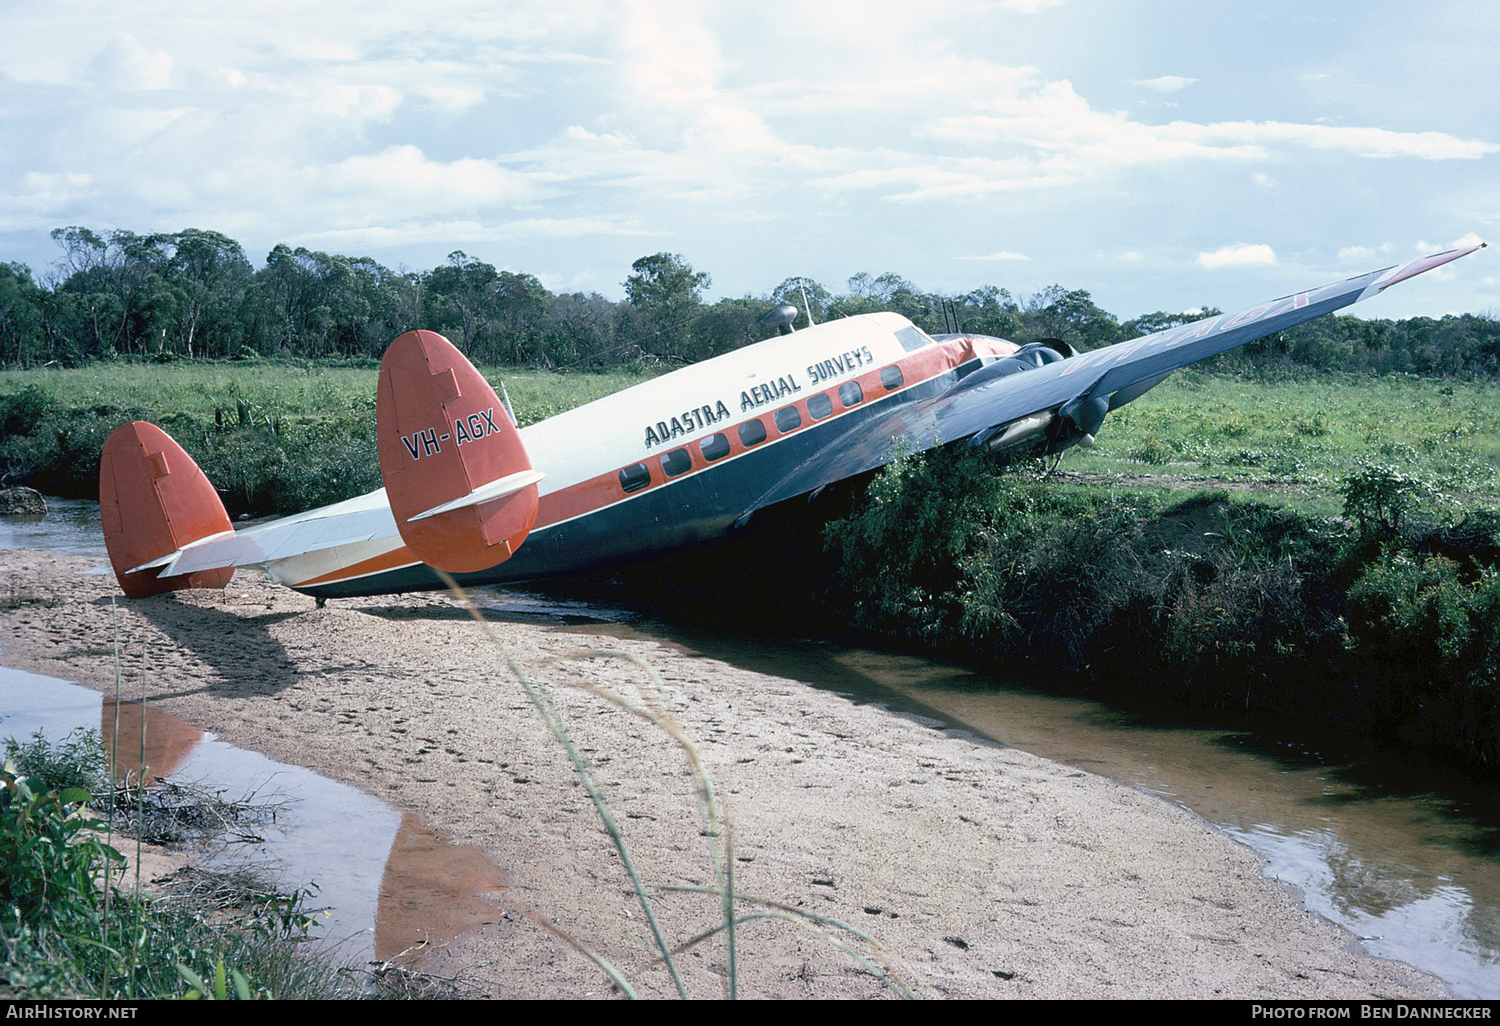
194, 294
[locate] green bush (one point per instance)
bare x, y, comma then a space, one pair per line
1378, 498
50, 856
76, 762
23, 409
1154, 451
900, 553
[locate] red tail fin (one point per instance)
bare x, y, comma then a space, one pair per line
457, 476
153, 500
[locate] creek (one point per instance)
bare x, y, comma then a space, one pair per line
1396, 848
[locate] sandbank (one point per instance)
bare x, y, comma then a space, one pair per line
979, 871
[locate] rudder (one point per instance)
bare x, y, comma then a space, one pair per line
458, 478
154, 500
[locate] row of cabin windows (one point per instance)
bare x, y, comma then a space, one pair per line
752, 432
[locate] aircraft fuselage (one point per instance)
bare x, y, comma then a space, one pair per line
677, 460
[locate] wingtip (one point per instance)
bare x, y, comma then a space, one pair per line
1427, 263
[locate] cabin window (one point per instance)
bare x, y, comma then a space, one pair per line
891, 377
752, 432
715, 448
788, 419
850, 394
819, 406
633, 479
676, 462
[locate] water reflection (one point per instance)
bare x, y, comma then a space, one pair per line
70, 528
1441, 922
429, 890
142, 743
388, 881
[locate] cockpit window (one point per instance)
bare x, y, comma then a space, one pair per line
911, 339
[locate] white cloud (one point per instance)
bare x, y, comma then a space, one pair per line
123, 63
406, 232
1055, 123
40, 185
571, 227
1462, 242
450, 97
357, 101
1164, 83
403, 233
1241, 254
316, 50
1362, 142
402, 181
42, 195
1056, 119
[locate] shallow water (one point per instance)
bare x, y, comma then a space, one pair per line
1403, 854
71, 527
1407, 865
396, 883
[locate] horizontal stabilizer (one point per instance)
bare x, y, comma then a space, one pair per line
351, 522
460, 484
484, 493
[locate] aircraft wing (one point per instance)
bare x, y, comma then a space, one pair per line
1081, 388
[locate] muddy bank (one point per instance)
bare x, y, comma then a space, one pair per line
981, 871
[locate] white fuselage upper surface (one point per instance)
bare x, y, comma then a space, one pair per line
646, 419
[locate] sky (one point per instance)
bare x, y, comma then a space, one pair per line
1163, 155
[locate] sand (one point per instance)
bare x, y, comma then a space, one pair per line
976, 870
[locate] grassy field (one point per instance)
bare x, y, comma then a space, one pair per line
1287, 442
274, 438
1294, 442
287, 391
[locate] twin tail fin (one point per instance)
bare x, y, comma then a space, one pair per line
460, 484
